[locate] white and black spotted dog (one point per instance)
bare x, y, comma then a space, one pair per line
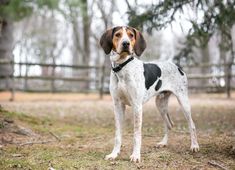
133, 82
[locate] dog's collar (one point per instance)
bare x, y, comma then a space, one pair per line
120, 66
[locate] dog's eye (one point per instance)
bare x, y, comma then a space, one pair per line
131, 35
118, 35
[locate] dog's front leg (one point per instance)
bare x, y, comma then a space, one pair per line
137, 111
119, 110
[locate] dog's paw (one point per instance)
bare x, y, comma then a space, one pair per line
194, 148
161, 144
111, 156
135, 158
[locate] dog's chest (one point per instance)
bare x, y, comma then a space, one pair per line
124, 85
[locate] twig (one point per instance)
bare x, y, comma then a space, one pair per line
215, 164
36, 142
149, 135
54, 135
17, 155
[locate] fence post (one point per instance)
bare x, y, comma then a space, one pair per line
26, 75
228, 81
13, 82
229, 71
53, 80
229, 76
102, 81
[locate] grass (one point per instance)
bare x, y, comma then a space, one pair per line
86, 130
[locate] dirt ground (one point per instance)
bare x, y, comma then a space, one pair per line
76, 131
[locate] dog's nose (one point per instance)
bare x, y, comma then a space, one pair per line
125, 44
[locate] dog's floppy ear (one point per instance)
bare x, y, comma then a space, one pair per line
140, 43
106, 41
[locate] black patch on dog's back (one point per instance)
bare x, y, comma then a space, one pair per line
158, 85
151, 73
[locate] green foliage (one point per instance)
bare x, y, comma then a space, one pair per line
157, 16
51, 4
18, 9
218, 16
73, 3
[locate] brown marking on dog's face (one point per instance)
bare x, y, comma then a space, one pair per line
131, 34
123, 40
117, 35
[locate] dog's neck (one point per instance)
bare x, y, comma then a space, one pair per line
117, 59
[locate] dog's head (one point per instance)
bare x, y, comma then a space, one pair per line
123, 40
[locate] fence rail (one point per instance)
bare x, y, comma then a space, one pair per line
207, 76
207, 65
101, 70
59, 65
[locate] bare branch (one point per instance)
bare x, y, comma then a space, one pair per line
215, 164
36, 142
128, 5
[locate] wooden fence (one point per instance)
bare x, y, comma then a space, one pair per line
98, 69
101, 80
228, 75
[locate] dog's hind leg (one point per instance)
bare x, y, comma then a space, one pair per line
184, 102
162, 105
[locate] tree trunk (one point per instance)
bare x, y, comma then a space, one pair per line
86, 41
6, 45
86, 32
205, 59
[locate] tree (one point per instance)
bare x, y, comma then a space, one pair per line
11, 11
218, 16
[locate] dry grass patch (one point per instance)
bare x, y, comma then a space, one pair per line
80, 133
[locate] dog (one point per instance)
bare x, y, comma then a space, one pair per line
133, 82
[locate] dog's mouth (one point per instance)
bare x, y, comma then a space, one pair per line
125, 51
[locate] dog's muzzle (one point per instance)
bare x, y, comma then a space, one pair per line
126, 47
